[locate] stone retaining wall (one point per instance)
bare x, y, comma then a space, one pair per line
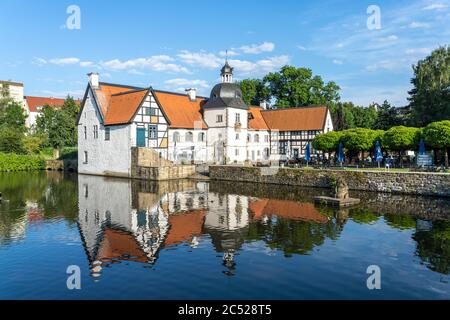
146, 164
61, 165
429, 184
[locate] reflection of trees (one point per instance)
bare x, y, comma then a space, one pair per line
54, 194
400, 221
60, 198
293, 237
363, 216
433, 246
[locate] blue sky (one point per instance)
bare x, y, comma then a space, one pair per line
173, 45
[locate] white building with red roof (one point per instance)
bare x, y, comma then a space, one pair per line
186, 128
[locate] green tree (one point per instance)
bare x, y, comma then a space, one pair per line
254, 91
58, 126
297, 87
327, 142
365, 117
430, 96
12, 116
357, 140
437, 135
387, 117
401, 138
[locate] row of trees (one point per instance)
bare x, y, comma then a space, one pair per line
398, 139
55, 127
297, 87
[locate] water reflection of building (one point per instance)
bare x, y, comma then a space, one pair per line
132, 220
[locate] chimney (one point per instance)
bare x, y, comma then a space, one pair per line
263, 104
94, 79
192, 94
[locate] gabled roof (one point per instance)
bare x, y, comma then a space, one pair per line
123, 106
296, 119
181, 112
35, 102
257, 121
106, 90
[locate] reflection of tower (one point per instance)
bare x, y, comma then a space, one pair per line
227, 223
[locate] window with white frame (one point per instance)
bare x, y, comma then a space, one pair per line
86, 157
189, 137
236, 151
201, 137
219, 118
256, 138
238, 118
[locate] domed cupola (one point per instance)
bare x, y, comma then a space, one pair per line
227, 93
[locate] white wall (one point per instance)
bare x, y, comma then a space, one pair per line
257, 150
188, 150
111, 157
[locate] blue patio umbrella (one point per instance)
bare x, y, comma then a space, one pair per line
308, 153
422, 150
378, 153
341, 153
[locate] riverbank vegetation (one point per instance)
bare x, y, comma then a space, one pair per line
23, 148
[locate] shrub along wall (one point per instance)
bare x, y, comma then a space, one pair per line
15, 162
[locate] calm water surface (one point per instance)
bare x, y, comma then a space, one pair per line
197, 240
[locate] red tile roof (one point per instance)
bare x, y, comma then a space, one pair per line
123, 106
180, 110
286, 209
183, 227
296, 119
106, 90
35, 102
257, 121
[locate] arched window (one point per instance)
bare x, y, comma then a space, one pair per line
189, 137
201, 137
176, 137
256, 139
249, 138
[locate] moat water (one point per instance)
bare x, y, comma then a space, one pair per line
216, 240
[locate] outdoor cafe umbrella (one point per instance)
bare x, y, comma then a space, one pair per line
341, 153
308, 154
422, 150
378, 153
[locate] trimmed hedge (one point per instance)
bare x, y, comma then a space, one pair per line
16, 162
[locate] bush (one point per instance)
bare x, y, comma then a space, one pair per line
11, 141
14, 162
69, 153
33, 143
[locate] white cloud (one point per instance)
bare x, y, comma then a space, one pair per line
436, 6
419, 25
337, 61
86, 64
261, 66
200, 59
64, 61
180, 84
39, 61
258, 48
301, 48
154, 63
391, 37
